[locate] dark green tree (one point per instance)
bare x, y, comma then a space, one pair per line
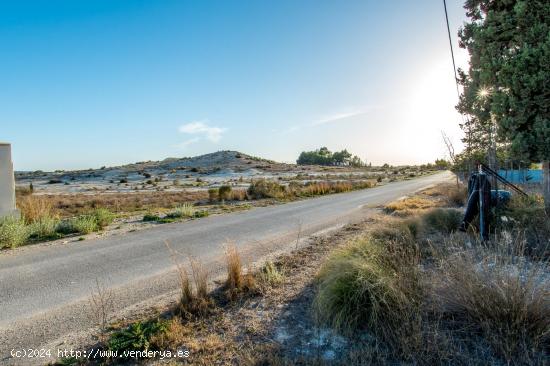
324, 156
507, 87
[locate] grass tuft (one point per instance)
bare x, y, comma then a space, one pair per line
498, 294
365, 286
271, 275
237, 282
13, 232
445, 220
194, 300
34, 208
184, 210
44, 228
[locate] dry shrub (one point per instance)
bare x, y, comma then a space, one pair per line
498, 294
33, 208
457, 196
173, 337
453, 194
237, 282
238, 195
212, 195
101, 305
322, 188
526, 215
204, 347
224, 192
200, 278
264, 188
270, 275
74, 204
194, 300
408, 205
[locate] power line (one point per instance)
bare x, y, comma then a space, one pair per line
451, 45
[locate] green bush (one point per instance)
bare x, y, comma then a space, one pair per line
136, 337
44, 227
13, 232
150, 216
224, 192
367, 286
263, 188
270, 274
83, 224
446, 220
201, 213
103, 217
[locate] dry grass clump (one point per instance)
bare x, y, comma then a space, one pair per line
461, 303
34, 208
498, 294
454, 195
67, 205
408, 206
194, 299
238, 195
183, 210
322, 188
269, 189
237, 282
264, 188
372, 286
402, 231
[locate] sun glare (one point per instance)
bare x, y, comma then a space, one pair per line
483, 92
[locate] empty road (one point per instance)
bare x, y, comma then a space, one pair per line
45, 290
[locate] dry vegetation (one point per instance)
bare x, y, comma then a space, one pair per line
67, 205
398, 290
49, 217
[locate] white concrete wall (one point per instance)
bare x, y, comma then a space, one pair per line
7, 184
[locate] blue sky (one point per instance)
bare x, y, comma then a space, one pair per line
102, 82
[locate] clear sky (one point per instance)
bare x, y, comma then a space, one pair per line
100, 82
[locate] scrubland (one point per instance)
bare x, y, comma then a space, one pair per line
50, 215
402, 287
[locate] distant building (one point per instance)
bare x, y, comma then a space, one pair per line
7, 184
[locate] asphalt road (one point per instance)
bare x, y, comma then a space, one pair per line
45, 290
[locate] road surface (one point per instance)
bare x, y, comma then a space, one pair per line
45, 290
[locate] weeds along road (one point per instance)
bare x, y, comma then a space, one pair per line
45, 290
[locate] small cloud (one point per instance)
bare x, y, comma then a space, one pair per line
339, 116
211, 133
291, 129
184, 144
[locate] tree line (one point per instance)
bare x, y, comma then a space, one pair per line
324, 156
